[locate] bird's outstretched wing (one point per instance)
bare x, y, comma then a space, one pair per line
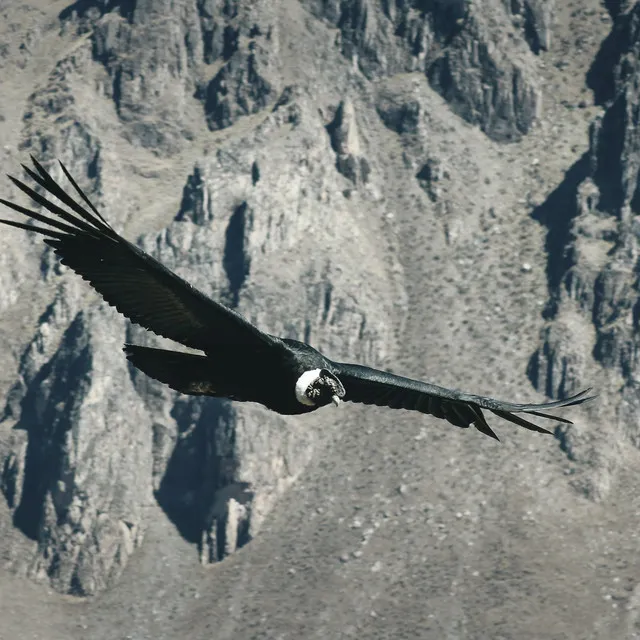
371, 386
129, 279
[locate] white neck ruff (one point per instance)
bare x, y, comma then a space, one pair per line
303, 383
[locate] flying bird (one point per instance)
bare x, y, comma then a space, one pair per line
237, 360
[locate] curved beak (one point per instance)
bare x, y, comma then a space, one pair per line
336, 400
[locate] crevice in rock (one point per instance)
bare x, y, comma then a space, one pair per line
236, 259
601, 76
117, 89
9, 480
219, 38
75, 586
530, 32
562, 435
230, 42
200, 477
193, 203
556, 213
326, 307
607, 145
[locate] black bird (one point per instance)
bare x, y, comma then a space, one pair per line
239, 361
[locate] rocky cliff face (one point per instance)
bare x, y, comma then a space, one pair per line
593, 263
248, 159
262, 224
487, 78
77, 473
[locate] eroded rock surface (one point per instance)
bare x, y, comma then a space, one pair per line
272, 153
93, 441
593, 263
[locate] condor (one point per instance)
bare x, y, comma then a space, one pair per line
237, 360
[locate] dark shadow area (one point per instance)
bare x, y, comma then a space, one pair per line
192, 203
530, 31
401, 117
236, 260
230, 42
216, 101
117, 89
608, 144
556, 213
533, 369
255, 173
635, 200
616, 7
45, 418
333, 128
82, 8
219, 39
201, 464
93, 166
448, 17
600, 77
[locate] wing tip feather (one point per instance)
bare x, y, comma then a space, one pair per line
486, 430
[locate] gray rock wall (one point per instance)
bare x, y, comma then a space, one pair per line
262, 224
250, 162
593, 265
474, 54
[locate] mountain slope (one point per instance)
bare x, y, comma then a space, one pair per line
394, 184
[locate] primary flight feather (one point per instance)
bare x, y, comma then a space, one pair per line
238, 361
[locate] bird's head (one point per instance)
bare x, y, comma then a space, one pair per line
319, 387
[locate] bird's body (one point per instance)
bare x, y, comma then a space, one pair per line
267, 376
237, 360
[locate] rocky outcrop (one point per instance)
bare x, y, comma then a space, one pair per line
149, 66
473, 54
243, 41
269, 223
94, 441
593, 270
485, 82
240, 88
343, 131
431, 176
226, 56
534, 18
398, 114
162, 63
77, 475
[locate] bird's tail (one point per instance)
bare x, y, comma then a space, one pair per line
185, 372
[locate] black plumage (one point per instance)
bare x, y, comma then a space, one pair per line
238, 361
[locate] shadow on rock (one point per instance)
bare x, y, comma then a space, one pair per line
97, 8
556, 213
199, 491
46, 416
